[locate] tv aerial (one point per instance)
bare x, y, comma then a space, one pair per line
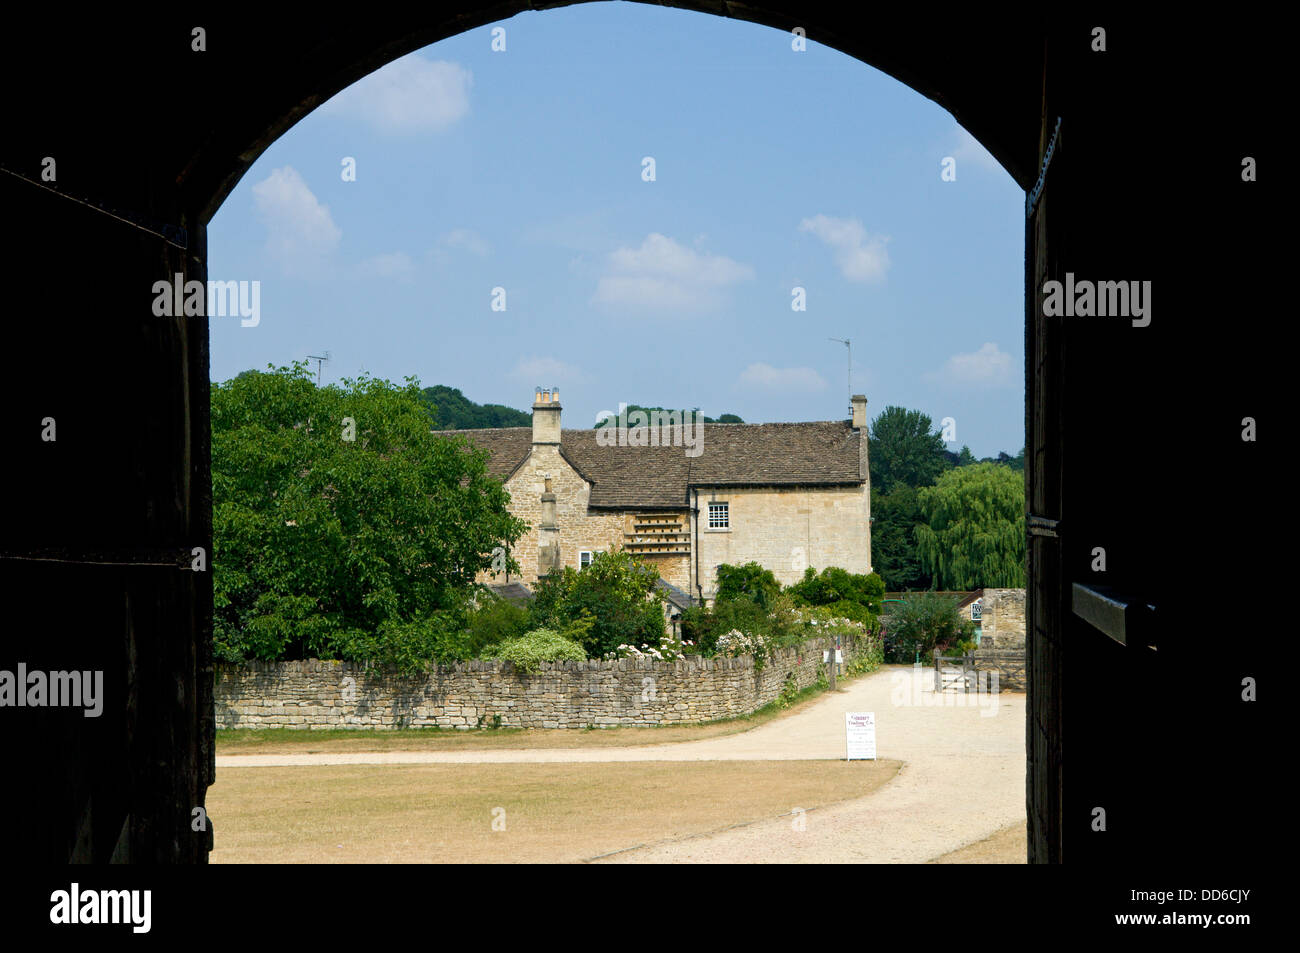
320, 360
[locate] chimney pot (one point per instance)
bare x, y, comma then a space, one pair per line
546, 417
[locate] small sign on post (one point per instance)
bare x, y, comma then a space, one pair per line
860, 735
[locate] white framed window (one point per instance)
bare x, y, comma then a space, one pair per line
719, 516
977, 610
584, 558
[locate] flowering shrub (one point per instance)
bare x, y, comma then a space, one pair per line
668, 650
735, 643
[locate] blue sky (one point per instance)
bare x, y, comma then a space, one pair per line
523, 169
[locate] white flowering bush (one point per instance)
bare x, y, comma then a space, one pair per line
668, 650
735, 643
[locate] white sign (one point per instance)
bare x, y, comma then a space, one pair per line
826, 655
860, 732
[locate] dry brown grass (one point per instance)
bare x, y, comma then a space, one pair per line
1007, 846
553, 812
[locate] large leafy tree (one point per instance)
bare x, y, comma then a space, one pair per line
904, 449
342, 526
975, 528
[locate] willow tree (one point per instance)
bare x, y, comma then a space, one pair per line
974, 530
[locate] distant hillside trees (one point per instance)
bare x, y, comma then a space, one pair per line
452, 410
724, 419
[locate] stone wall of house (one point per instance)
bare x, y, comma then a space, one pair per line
786, 531
317, 694
577, 527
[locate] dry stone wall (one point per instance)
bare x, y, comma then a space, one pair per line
316, 694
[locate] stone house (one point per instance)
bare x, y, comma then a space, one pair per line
786, 495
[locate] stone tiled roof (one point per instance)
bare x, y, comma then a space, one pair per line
515, 593
678, 597
796, 454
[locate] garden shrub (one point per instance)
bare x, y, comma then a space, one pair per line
529, 650
927, 620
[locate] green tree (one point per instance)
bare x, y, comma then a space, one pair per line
975, 532
904, 450
922, 622
492, 621
750, 581
895, 517
611, 602
855, 596
344, 528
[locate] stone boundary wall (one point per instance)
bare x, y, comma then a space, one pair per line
1010, 667
316, 694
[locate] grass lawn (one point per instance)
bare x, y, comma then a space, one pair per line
552, 812
1007, 846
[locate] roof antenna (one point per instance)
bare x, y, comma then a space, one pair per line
850, 349
320, 360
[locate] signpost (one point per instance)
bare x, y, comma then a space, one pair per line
860, 735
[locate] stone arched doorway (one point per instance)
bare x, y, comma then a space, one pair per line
151, 135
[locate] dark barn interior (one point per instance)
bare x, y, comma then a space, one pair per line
1133, 434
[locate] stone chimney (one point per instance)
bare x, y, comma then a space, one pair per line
548, 534
859, 402
546, 416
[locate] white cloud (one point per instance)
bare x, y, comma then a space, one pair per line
803, 380
409, 95
989, 366
464, 239
663, 275
395, 264
969, 149
859, 256
545, 371
300, 230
